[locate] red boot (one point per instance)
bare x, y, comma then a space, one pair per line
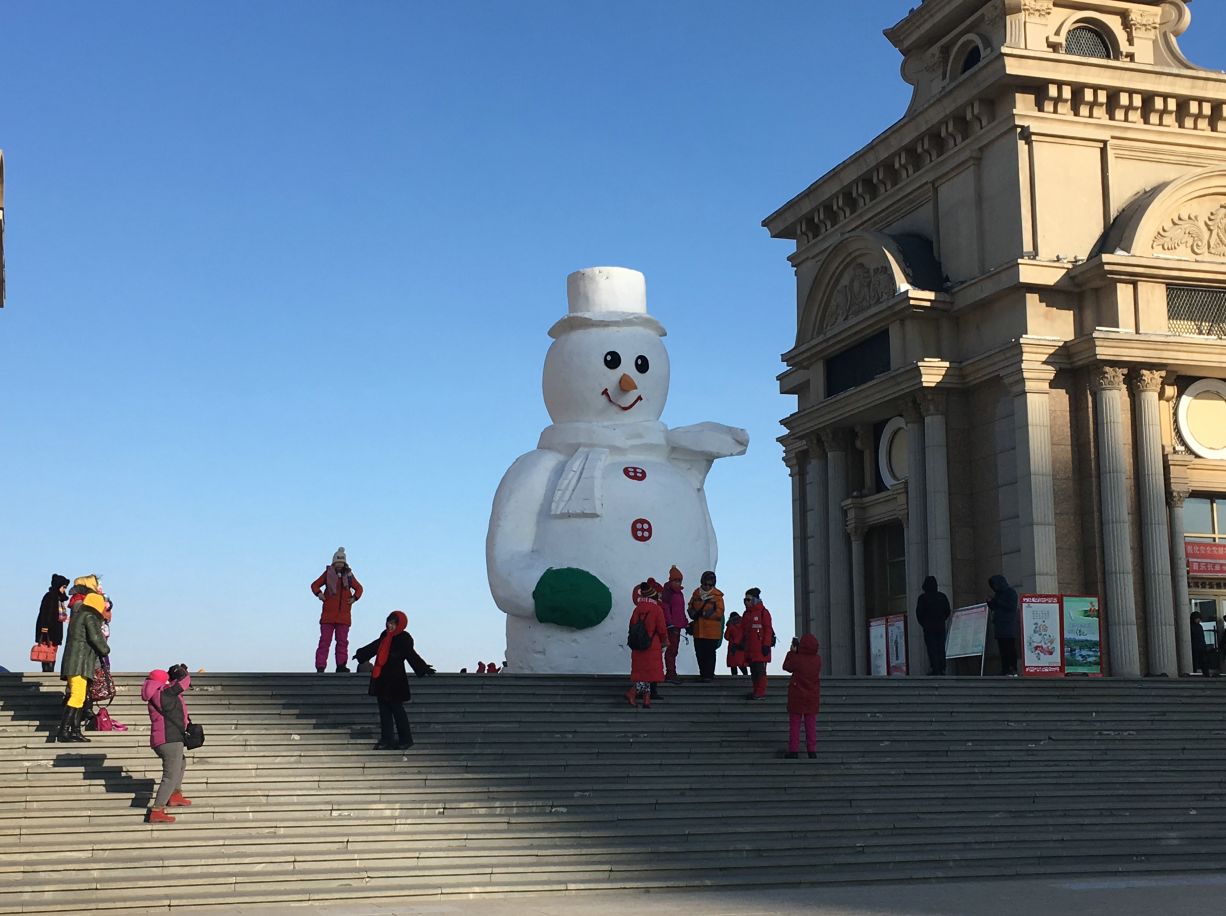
647, 701
632, 697
158, 816
177, 800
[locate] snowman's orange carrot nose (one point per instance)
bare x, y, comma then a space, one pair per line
627, 383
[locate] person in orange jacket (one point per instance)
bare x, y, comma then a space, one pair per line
706, 610
734, 635
804, 692
646, 663
337, 587
759, 637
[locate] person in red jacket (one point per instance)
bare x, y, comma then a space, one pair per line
758, 638
647, 664
804, 693
734, 635
337, 587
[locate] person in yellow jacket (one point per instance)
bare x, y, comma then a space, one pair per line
707, 613
84, 648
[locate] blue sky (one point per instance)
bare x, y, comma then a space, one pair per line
279, 277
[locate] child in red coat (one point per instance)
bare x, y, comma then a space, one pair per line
759, 638
804, 693
647, 664
734, 634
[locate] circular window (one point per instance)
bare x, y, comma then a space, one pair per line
1202, 418
892, 452
1084, 41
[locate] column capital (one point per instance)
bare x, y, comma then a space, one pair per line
1029, 378
910, 411
793, 457
864, 436
1147, 379
856, 528
933, 402
836, 438
1175, 498
815, 445
1108, 378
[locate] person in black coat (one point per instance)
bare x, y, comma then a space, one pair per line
51, 614
1200, 651
932, 610
1005, 623
388, 682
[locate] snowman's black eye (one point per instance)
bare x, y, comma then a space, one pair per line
641, 364
613, 359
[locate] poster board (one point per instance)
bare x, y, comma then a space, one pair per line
1205, 560
1083, 635
968, 632
1042, 647
896, 644
877, 664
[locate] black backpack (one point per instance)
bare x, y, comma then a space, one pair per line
638, 638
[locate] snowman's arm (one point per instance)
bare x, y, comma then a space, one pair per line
512, 564
694, 448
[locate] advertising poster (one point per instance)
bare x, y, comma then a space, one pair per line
1042, 646
968, 632
1083, 636
896, 642
877, 665
1205, 560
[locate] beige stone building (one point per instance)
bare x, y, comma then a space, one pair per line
1011, 332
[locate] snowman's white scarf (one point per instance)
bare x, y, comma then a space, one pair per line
646, 438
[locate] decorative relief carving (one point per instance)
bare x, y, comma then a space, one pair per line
1141, 24
1038, 10
1148, 379
932, 403
859, 288
1175, 498
1200, 236
836, 439
1108, 378
910, 411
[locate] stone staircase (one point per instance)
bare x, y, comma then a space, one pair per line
531, 784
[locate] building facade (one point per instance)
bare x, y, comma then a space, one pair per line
1010, 354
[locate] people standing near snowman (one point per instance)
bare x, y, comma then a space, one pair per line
609, 492
672, 597
758, 635
338, 588
707, 613
646, 636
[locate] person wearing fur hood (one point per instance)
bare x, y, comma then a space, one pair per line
337, 587
85, 647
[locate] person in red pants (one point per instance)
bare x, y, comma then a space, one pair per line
672, 597
734, 636
758, 636
804, 693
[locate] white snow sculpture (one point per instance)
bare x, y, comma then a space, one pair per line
610, 496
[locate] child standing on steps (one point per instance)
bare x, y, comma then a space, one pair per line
804, 693
734, 635
647, 660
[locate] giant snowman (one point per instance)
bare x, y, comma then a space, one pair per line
610, 496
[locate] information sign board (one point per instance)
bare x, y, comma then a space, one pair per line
1042, 646
896, 643
1083, 635
877, 648
968, 632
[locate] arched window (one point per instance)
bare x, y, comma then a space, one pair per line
972, 59
1084, 41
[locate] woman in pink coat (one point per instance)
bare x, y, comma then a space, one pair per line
647, 663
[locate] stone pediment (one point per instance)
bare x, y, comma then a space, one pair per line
860, 273
1184, 218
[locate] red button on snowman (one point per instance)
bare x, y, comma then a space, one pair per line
571, 530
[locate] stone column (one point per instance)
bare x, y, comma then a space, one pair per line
855, 529
1035, 490
1120, 609
868, 462
916, 530
1179, 571
797, 467
936, 480
837, 442
819, 556
1155, 535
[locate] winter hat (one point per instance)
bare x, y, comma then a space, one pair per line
602, 297
674, 574
339, 557
754, 593
57, 581
649, 589
87, 583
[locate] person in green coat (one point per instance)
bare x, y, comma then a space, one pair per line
84, 648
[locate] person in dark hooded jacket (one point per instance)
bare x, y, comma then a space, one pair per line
1005, 623
932, 610
51, 616
388, 682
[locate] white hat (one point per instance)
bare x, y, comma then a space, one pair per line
601, 297
339, 555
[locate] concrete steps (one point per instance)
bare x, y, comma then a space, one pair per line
529, 784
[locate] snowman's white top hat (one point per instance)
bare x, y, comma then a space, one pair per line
606, 297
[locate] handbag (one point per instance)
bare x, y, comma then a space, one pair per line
43, 652
193, 736
101, 687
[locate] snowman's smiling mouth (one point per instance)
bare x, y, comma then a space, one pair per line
609, 398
